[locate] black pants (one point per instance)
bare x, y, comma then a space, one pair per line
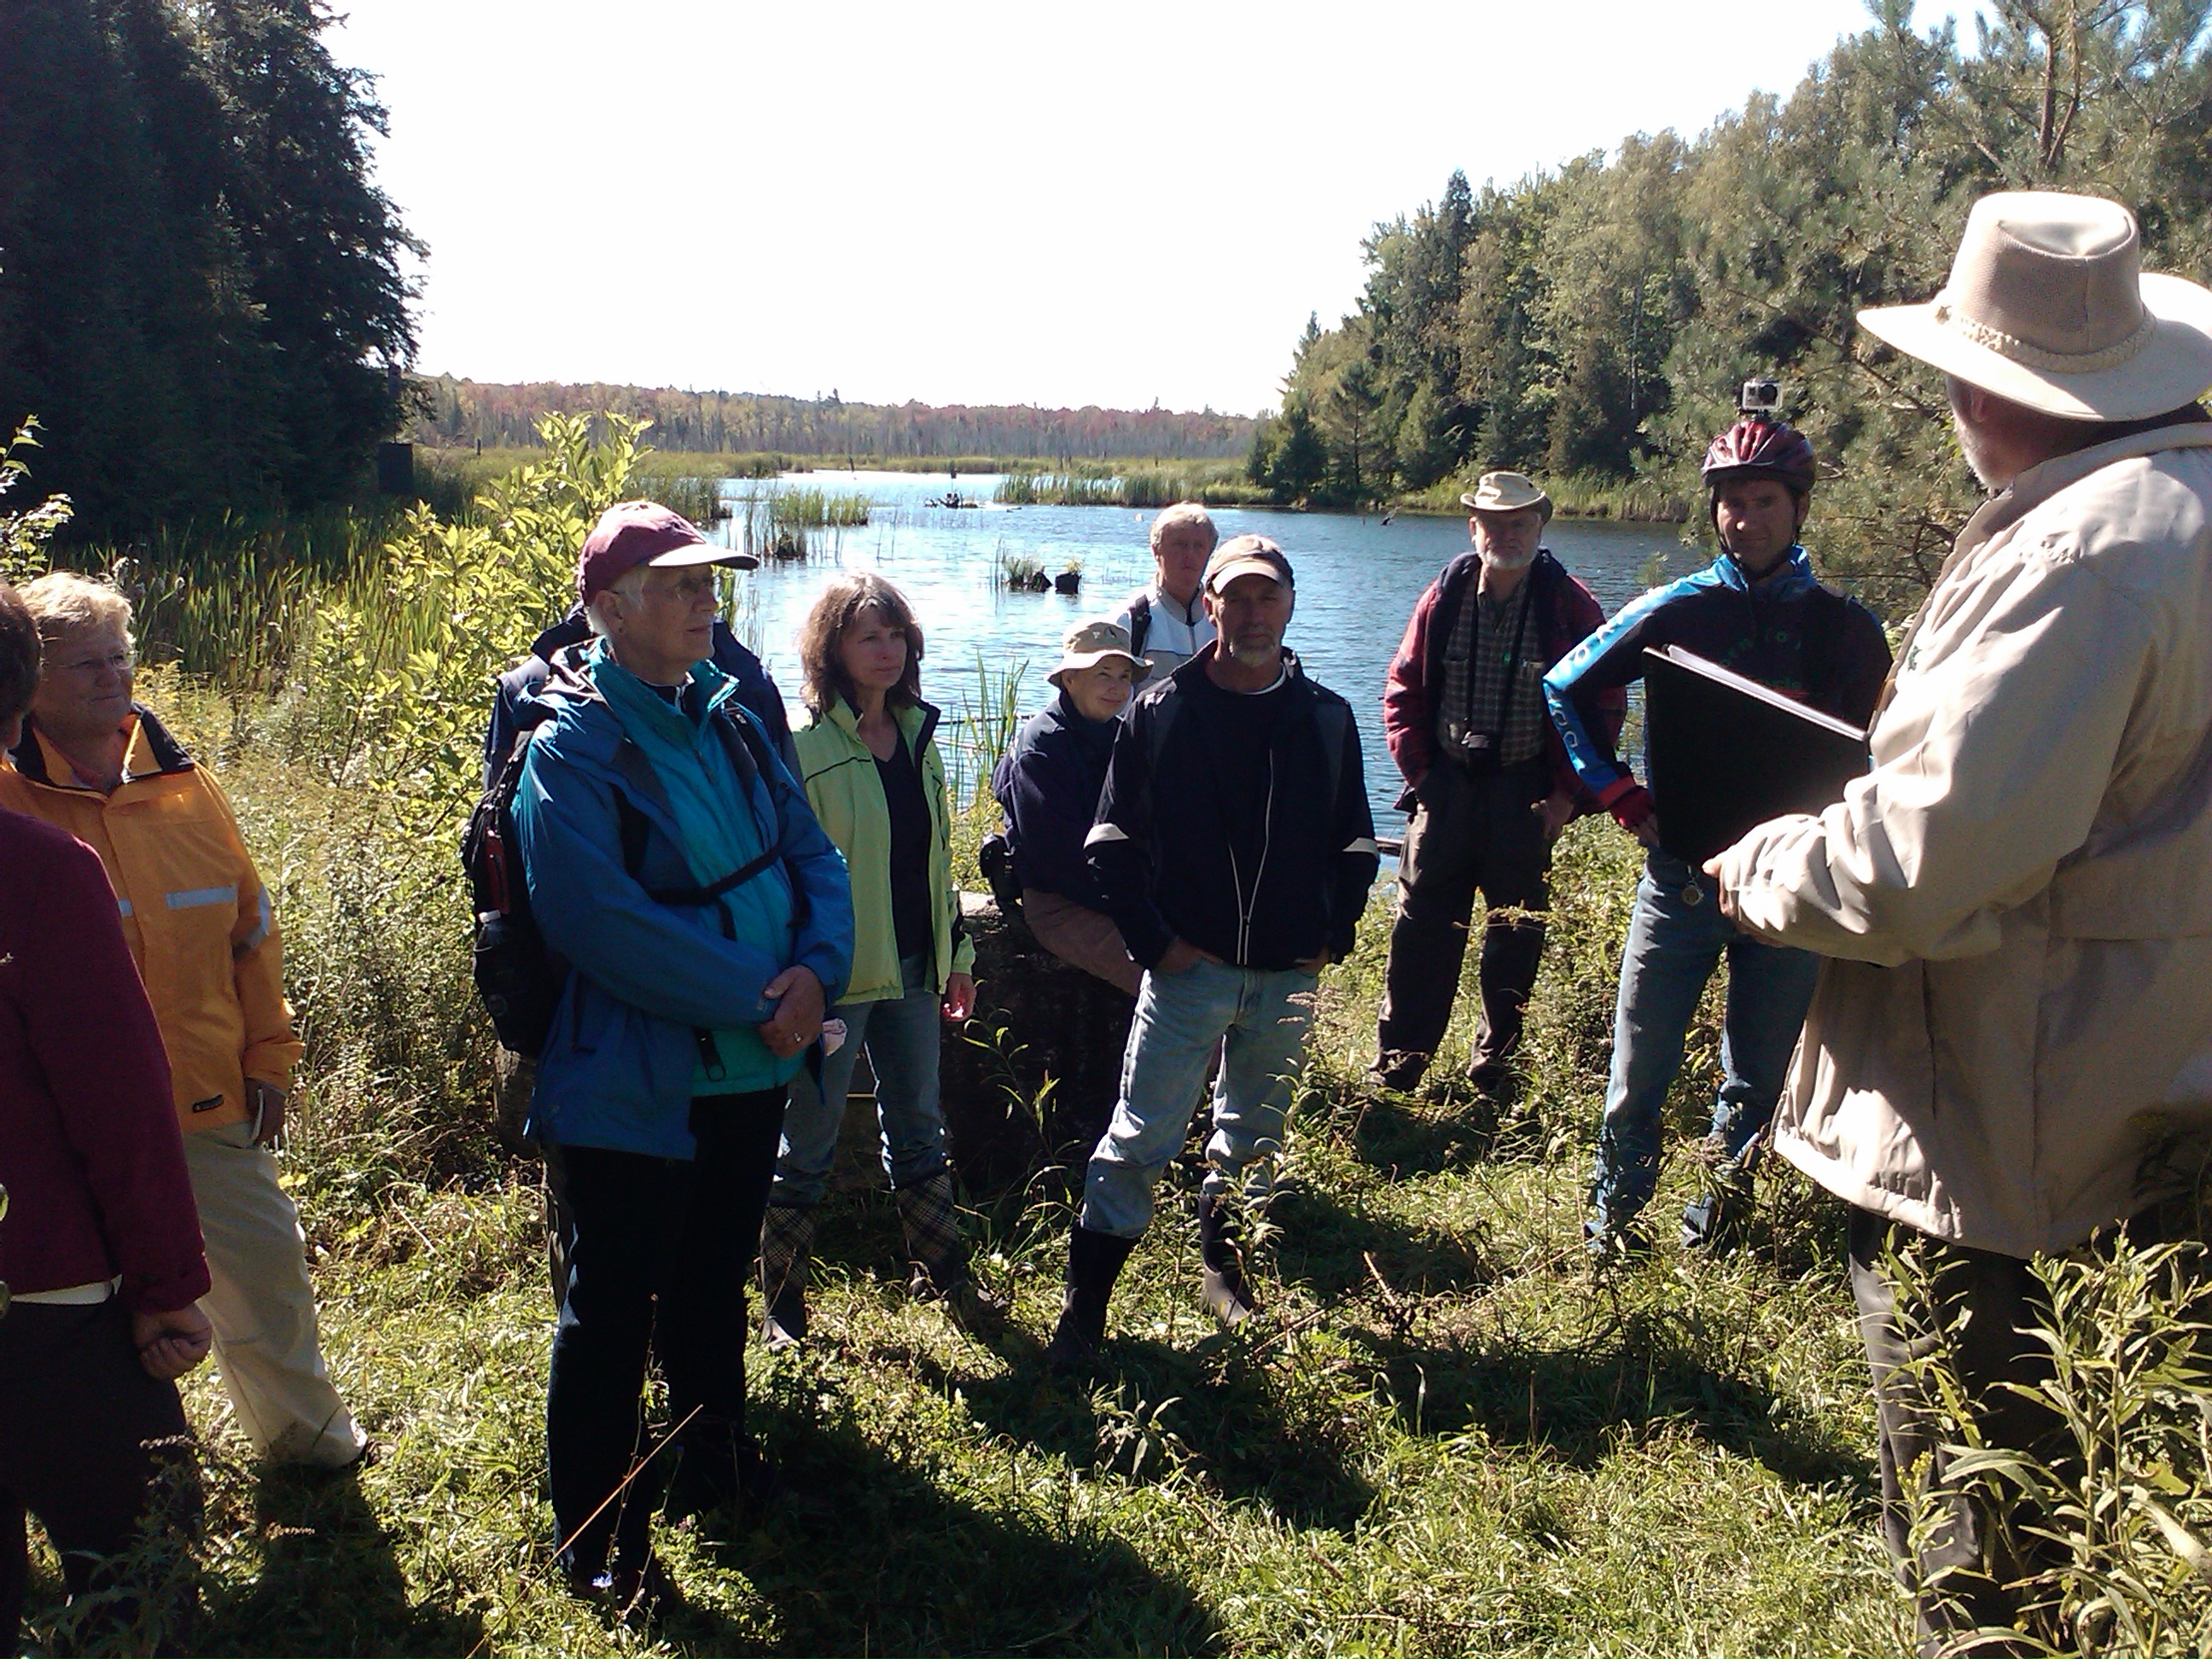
77, 1413
1471, 830
657, 1251
1975, 1549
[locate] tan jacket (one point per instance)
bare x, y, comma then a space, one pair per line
196, 915
2012, 1043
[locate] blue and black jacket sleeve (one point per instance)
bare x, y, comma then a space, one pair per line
1575, 689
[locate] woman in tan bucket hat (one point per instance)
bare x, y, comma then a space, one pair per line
2011, 1045
1049, 782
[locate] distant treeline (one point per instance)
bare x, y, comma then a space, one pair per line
1592, 324
199, 286
460, 412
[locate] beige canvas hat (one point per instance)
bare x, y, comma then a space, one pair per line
1505, 492
1094, 640
2048, 305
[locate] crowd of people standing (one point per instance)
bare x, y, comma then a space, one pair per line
1966, 998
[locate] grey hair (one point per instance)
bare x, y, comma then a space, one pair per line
1185, 513
630, 585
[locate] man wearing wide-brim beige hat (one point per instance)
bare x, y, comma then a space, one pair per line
2011, 1045
1488, 784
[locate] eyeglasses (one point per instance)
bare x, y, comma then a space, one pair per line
705, 583
117, 662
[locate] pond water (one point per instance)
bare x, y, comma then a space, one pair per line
1358, 579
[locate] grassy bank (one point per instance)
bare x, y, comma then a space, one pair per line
1575, 496
1445, 1435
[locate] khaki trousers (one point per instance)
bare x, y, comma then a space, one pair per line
1081, 938
262, 1306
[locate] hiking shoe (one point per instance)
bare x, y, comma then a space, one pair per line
1608, 1244
1717, 1222
1398, 1070
978, 1311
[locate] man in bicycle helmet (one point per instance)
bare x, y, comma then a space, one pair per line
1758, 609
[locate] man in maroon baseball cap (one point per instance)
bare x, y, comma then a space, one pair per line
633, 533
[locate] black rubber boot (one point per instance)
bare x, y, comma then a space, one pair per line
1094, 1262
786, 1239
1228, 1297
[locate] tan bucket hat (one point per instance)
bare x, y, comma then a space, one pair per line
1505, 492
2048, 305
1094, 640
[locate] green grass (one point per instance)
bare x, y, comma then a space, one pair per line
1137, 484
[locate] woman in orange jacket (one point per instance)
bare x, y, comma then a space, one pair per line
200, 926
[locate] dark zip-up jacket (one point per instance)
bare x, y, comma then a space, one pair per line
510, 711
1048, 783
1787, 631
1161, 850
1563, 613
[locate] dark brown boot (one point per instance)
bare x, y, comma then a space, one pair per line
929, 1214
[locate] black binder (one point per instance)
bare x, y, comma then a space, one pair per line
1725, 753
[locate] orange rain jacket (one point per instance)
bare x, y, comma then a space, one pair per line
195, 913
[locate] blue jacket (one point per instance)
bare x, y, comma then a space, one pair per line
1787, 631
616, 1069
1049, 784
756, 690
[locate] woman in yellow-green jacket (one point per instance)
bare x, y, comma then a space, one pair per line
876, 781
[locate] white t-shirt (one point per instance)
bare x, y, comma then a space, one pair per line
1174, 636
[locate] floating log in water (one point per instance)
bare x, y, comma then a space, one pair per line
1067, 581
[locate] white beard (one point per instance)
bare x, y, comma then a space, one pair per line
1499, 561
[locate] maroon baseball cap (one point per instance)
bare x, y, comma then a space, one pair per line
632, 533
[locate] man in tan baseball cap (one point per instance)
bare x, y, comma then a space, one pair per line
2011, 1045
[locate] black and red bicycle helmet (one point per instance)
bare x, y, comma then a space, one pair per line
1756, 447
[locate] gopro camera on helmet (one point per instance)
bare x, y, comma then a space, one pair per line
1760, 396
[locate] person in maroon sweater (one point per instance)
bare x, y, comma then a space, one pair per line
100, 1263
1487, 781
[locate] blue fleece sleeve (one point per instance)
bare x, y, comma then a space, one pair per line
1119, 846
1610, 658
595, 913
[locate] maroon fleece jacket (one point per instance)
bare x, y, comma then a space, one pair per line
90, 1149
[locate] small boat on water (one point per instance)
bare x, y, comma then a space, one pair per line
955, 500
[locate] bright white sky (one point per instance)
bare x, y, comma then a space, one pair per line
991, 203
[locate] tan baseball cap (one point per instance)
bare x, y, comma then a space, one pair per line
1505, 492
1093, 641
1247, 555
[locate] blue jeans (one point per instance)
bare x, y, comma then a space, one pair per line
902, 1035
1674, 943
1258, 1017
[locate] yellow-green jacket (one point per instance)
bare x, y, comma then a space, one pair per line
847, 796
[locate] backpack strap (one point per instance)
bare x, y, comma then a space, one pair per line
1140, 623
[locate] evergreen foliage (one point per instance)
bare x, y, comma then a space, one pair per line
200, 292
1593, 322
